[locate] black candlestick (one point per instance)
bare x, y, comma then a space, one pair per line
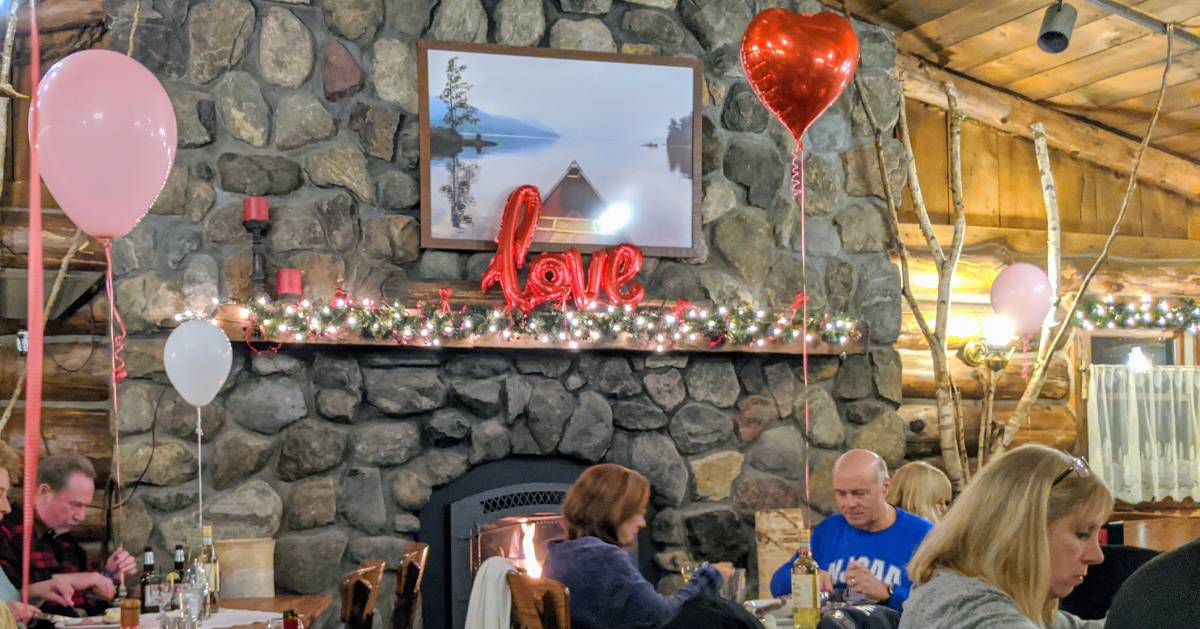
258, 277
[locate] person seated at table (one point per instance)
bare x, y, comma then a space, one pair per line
1162, 593
921, 489
1018, 539
66, 484
862, 550
55, 589
603, 512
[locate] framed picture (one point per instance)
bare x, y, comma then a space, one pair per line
611, 141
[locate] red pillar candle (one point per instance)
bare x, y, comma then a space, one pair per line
255, 209
289, 283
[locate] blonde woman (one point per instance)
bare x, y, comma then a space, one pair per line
920, 489
1018, 539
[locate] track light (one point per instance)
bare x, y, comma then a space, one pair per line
1055, 34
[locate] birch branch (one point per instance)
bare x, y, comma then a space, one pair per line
918, 195
1038, 376
1053, 235
950, 264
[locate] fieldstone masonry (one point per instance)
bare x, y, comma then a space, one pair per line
334, 452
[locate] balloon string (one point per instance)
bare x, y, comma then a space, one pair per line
798, 194
34, 311
118, 374
200, 467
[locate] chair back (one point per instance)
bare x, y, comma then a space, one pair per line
360, 591
539, 603
408, 584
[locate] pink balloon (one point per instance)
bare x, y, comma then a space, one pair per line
106, 141
1021, 292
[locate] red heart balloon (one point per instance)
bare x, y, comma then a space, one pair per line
799, 64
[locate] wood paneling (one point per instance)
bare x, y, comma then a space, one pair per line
1019, 190
65, 429
927, 126
981, 183
1007, 113
1109, 70
1049, 424
78, 372
918, 377
57, 233
1002, 187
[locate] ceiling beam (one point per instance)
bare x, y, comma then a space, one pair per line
923, 82
1148, 21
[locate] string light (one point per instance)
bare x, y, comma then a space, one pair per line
660, 327
1142, 313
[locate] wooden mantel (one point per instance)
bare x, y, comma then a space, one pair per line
228, 317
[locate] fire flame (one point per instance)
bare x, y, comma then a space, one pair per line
532, 566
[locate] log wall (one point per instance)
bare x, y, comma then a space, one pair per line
1158, 253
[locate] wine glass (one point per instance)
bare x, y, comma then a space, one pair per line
686, 568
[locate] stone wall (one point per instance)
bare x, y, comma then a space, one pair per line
313, 104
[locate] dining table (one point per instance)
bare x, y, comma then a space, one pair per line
309, 608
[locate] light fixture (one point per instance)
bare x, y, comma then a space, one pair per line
1055, 34
1138, 362
993, 349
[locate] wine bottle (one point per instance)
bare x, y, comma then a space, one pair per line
806, 588
212, 568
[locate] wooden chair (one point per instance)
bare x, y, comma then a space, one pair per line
539, 603
360, 591
408, 584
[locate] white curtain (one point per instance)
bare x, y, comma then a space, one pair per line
1144, 431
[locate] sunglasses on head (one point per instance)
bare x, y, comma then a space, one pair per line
1079, 465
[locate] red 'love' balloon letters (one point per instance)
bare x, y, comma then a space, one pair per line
799, 64
556, 277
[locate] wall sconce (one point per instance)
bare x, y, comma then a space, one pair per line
993, 348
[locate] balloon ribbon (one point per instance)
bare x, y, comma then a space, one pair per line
33, 310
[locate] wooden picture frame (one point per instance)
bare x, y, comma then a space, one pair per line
584, 203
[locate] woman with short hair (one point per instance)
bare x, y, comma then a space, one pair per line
922, 490
603, 512
1018, 539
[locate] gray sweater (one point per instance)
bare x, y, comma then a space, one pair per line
952, 601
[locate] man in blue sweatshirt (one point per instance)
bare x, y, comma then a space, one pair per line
865, 549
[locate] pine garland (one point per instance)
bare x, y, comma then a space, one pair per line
663, 327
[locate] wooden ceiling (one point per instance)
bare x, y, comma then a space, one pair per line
1109, 74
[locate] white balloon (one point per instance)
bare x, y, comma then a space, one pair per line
198, 358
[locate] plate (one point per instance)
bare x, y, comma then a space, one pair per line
90, 622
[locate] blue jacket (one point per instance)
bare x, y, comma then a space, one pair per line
608, 592
836, 544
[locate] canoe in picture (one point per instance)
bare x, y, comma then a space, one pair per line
574, 211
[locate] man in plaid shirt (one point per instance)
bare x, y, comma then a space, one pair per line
66, 484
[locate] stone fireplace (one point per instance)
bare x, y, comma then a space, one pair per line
513, 512
345, 453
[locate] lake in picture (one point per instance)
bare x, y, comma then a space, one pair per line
608, 144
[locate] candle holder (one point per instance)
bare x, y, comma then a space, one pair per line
256, 220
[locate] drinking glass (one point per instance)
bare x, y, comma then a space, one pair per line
193, 600
686, 568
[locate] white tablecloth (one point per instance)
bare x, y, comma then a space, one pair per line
223, 618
